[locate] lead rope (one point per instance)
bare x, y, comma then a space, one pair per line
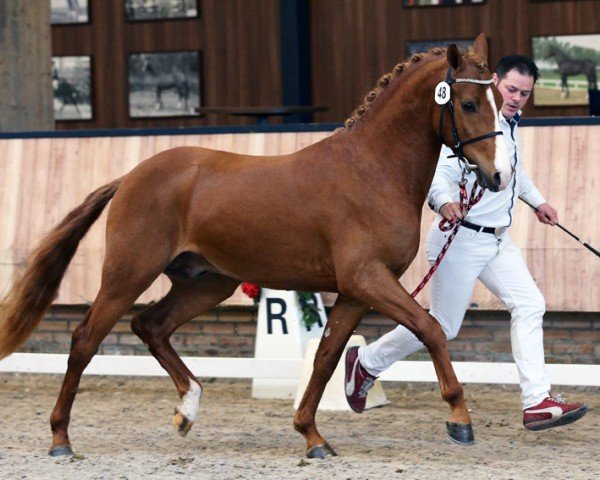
446, 225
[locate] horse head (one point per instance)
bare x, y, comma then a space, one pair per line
554, 51
147, 66
468, 120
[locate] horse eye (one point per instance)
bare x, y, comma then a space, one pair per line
468, 106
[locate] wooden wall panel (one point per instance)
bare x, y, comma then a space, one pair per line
239, 41
42, 179
563, 164
354, 42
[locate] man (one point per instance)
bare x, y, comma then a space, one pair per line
482, 249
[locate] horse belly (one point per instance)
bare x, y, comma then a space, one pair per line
263, 257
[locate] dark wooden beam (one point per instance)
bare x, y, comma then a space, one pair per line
26, 103
295, 56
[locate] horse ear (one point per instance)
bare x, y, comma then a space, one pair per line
453, 56
480, 46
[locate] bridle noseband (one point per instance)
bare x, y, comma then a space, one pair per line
443, 89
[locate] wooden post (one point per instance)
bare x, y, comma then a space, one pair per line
26, 98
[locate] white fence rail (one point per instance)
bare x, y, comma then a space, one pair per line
574, 84
222, 367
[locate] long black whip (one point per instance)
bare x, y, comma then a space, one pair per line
585, 244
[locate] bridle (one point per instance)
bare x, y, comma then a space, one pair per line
442, 97
443, 94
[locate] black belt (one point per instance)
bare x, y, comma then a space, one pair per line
478, 228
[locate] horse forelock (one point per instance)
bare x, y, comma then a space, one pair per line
415, 61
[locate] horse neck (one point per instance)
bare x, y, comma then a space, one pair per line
560, 56
397, 134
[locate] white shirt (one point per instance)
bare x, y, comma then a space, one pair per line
494, 209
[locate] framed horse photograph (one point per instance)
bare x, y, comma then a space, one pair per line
72, 86
440, 3
65, 12
568, 69
143, 10
164, 84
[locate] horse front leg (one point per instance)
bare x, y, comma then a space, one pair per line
375, 285
343, 319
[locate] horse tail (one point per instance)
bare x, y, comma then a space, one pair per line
33, 290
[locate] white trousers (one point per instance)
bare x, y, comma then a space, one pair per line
498, 264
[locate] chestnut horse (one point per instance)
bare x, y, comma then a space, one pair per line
341, 215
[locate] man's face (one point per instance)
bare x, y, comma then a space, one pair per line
515, 89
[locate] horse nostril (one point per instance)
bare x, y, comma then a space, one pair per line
497, 179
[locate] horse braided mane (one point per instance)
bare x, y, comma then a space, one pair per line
385, 81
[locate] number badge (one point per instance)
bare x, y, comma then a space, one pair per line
442, 93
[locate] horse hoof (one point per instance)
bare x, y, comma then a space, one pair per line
461, 433
182, 423
60, 450
321, 451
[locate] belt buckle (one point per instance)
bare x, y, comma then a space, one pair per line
499, 231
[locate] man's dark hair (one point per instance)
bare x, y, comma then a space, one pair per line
523, 65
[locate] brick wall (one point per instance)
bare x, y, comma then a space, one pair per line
229, 331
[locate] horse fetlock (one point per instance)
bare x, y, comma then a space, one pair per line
459, 414
303, 426
454, 394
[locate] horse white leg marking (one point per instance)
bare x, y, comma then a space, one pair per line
501, 160
190, 407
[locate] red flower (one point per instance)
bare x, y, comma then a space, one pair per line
253, 291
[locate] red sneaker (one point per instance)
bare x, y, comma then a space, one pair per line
358, 381
552, 412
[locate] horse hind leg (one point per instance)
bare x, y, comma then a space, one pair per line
564, 87
114, 299
159, 102
186, 299
343, 319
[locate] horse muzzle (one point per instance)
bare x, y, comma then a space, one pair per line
493, 183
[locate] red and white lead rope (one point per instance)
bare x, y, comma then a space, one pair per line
446, 225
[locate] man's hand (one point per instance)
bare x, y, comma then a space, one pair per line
451, 211
546, 214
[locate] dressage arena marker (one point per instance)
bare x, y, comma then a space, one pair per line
280, 333
225, 367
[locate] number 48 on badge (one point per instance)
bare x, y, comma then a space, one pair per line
442, 93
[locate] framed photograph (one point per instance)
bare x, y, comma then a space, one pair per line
440, 3
164, 84
423, 46
72, 85
568, 66
143, 10
65, 12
